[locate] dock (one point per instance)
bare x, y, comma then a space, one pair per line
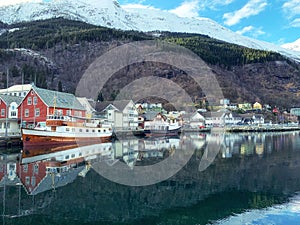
261, 128
10, 141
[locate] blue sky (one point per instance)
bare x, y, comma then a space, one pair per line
276, 21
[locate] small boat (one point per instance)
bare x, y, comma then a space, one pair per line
64, 130
161, 128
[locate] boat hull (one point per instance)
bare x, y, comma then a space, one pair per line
31, 137
161, 133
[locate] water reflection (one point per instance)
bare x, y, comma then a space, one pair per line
251, 171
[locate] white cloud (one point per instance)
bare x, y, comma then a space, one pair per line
253, 31
187, 9
214, 4
291, 7
253, 7
14, 2
295, 23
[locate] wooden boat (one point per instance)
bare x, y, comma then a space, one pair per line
161, 128
62, 130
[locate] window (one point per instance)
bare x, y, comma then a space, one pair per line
35, 100
87, 130
26, 112
27, 180
13, 113
36, 168
37, 112
2, 112
29, 101
32, 181
32, 92
20, 93
67, 129
0, 125
73, 156
80, 130
68, 113
25, 168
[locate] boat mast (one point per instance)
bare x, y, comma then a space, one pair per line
21, 102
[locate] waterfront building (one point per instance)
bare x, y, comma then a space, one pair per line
9, 122
257, 106
87, 104
221, 117
40, 102
194, 120
120, 114
17, 90
295, 111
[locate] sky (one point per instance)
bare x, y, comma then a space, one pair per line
275, 21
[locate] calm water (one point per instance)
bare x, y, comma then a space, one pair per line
201, 179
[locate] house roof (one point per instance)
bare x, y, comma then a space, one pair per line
150, 115
118, 105
8, 99
86, 104
58, 99
17, 88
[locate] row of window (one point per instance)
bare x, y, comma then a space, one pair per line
29, 100
87, 130
12, 113
35, 168
36, 113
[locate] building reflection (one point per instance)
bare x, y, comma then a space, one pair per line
46, 170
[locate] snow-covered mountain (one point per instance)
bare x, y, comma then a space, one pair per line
295, 46
109, 13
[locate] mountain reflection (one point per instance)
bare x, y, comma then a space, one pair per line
63, 183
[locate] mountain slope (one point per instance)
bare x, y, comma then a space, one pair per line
109, 13
64, 49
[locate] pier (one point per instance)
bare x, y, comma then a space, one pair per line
10, 141
262, 128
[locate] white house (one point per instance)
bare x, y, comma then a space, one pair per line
9, 114
17, 90
122, 114
221, 118
86, 103
194, 120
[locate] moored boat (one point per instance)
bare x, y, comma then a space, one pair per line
62, 130
161, 128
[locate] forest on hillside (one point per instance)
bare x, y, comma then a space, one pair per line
58, 51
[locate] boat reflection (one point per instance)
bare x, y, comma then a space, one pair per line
262, 164
39, 170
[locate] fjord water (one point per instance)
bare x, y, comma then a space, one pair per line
254, 179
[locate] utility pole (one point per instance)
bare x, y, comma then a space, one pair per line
6, 110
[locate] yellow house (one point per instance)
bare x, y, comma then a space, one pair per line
245, 106
257, 105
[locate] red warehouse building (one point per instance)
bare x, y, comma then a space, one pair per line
39, 103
